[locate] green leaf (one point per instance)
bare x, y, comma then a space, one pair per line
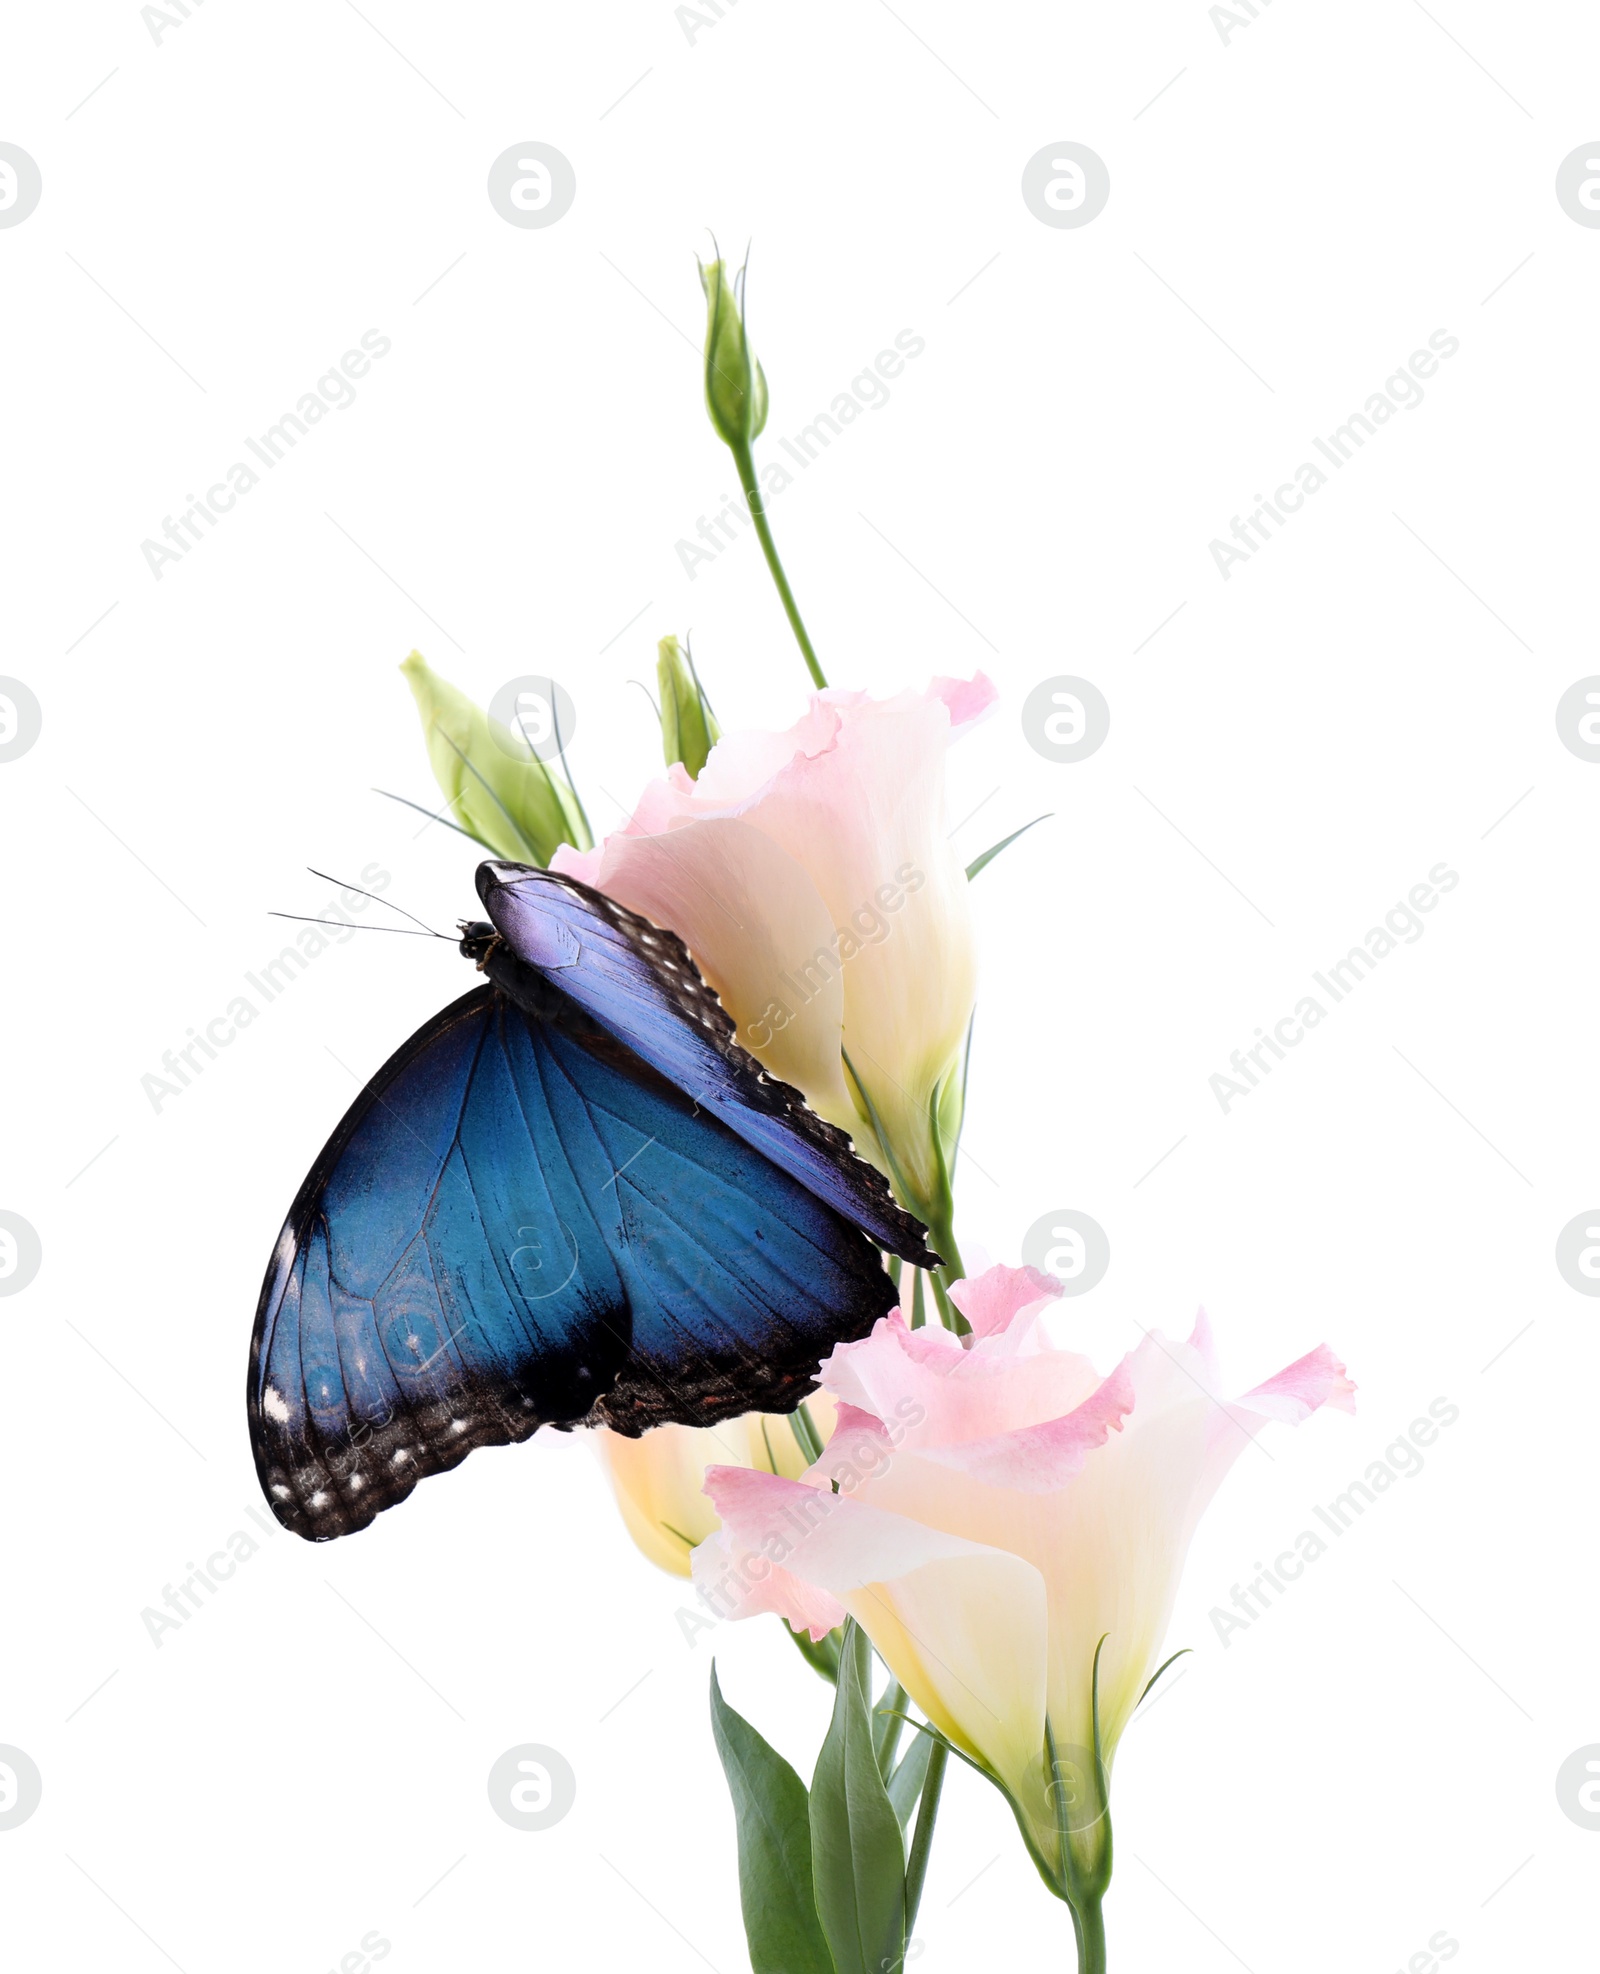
905, 1784
433, 815
806, 1436
495, 788
994, 849
769, 1802
1160, 1669
858, 1861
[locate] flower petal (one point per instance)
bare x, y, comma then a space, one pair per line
659, 1477
853, 795
736, 1581
1104, 1502
1040, 1459
959, 1624
1311, 1381
939, 1393
966, 700
989, 1301
1290, 1398
755, 925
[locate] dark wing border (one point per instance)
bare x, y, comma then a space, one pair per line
286, 1251
636, 1398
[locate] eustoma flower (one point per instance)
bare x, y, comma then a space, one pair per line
1002, 1510
810, 875
659, 1478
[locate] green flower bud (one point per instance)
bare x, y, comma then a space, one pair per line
736, 391
689, 728
495, 787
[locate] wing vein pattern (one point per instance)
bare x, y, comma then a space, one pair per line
516, 1224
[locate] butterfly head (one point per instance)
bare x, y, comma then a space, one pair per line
478, 940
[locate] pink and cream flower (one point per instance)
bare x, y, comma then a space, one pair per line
1001, 1510
659, 1478
810, 874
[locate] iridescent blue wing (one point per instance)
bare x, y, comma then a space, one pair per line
640, 983
517, 1223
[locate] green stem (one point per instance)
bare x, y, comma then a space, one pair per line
769, 548
922, 1836
942, 1236
942, 1233
940, 1216
949, 1315
1090, 1926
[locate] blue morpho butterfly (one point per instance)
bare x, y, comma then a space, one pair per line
571, 1197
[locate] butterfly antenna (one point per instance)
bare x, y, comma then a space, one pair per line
346, 925
377, 901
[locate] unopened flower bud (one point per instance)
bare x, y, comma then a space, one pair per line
496, 788
736, 391
689, 728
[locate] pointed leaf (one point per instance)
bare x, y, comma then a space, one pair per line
858, 1861
994, 849
1160, 1669
769, 1802
433, 815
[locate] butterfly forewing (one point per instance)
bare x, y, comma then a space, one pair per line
640, 983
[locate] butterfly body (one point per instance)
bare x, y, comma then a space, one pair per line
550, 1210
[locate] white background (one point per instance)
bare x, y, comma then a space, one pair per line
1373, 1761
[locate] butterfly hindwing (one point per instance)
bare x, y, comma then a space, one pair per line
518, 1224
639, 982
